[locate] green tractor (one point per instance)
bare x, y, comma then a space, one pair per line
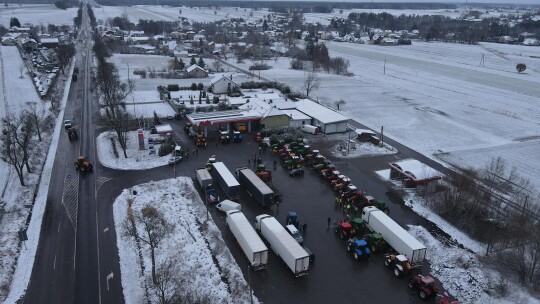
358, 225
375, 242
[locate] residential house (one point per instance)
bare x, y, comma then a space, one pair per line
29, 45
222, 84
275, 118
195, 71
50, 43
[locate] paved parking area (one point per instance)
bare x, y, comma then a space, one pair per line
336, 276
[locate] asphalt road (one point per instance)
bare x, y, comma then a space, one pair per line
68, 268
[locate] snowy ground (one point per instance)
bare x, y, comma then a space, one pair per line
463, 274
468, 108
356, 148
37, 14
137, 159
199, 254
146, 110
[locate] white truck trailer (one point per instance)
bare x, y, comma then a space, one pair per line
283, 244
393, 234
203, 177
250, 242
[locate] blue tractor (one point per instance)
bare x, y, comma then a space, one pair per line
359, 248
292, 219
211, 194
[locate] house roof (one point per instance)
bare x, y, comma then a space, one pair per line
296, 115
319, 112
49, 40
219, 77
194, 67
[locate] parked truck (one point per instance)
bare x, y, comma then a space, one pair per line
250, 242
399, 239
283, 244
204, 181
226, 180
255, 187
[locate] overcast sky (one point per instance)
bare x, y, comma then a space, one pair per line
537, 2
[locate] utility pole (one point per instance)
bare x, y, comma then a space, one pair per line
382, 136
249, 283
482, 60
384, 67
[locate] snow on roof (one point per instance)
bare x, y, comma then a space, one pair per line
364, 131
218, 78
193, 67
49, 40
418, 169
273, 112
296, 115
319, 112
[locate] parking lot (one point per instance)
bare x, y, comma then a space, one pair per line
335, 276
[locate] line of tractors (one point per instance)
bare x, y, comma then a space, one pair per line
224, 137
360, 242
81, 163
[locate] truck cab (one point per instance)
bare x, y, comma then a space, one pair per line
291, 229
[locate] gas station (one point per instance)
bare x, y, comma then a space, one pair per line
241, 120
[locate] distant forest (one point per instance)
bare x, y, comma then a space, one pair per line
315, 6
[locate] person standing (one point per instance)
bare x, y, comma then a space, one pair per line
329, 220
304, 228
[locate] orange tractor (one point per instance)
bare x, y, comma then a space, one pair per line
83, 165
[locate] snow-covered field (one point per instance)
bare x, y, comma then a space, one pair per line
137, 159
146, 110
37, 14
167, 13
434, 97
195, 247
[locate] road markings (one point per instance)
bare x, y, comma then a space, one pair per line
106, 229
102, 180
109, 276
70, 196
54, 264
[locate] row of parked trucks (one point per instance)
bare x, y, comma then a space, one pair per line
282, 243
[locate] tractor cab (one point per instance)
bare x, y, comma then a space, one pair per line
224, 137
358, 225
424, 286
333, 175
200, 140
399, 264
344, 230
237, 137
359, 248
265, 176
375, 241
341, 183
210, 161
83, 165
292, 219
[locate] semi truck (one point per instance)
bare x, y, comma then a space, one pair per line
393, 234
283, 244
204, 180
255, 187
226, 180
250, 242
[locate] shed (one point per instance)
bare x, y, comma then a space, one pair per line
327, 119
298, 119
365, 135
414, 173
49, 42
195, 71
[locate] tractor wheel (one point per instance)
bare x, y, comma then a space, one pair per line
411, 284
342, 236
349, 248
397, 272
356, 257
422, 295
386, 263
386, 211
83, 169
336, 230
373, 248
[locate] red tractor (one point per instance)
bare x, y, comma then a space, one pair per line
344, 229
424, 286
200, 140
333, 175
445, 299
341, 183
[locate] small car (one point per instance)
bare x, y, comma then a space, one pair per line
175, 159
295, 172
228, 205
169, 117
67, 124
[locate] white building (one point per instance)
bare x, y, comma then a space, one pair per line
221, 84
327, 119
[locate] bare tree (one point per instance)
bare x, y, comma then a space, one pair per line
16, 136
64, 54
37, 114
521, 67
113, 93
217, 65
339, 103
155, 229
339, 65
311, 82
223, 51
166, 285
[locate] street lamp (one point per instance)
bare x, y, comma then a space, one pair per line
249, 283
349, 142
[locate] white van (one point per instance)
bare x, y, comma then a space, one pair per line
310, 129
291, 229
228, 205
